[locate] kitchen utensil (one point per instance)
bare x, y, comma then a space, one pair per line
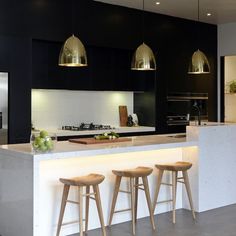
135, 119
123, 115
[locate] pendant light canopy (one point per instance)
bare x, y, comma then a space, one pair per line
143, 57
73, 53
199, 63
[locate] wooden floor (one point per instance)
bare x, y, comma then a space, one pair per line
219, 222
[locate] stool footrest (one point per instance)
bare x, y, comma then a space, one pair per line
167, 184
88, 194
71, 222
137, 185
124, 191
73, 202
182, 182
141, 188
160, 202
128, 209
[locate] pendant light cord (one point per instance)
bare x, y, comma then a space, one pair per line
198, 10
72, 16
198, 20
143, 22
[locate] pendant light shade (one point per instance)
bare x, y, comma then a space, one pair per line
143, 58
199, 63
73, 53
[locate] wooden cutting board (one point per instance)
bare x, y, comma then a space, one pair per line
123, 115
95, 141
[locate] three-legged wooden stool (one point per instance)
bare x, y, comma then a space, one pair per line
174, 168
133, 175
82, 181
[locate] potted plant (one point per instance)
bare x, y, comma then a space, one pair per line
232, 86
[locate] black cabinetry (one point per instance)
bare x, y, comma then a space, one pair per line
109, 69
46, 74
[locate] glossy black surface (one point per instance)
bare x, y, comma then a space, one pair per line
108, 30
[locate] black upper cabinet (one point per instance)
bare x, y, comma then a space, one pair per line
47, 74
122, 79
101, 68
108, 69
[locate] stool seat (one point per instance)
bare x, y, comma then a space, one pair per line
82, 182
137, 172
91, 179
177, 166
133, 175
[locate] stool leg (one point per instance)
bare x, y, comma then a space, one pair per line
132, 203
99, 207
187, 185
159, 179
174, 189
81, 211
136, 197
147, 192
63, 206
87, 207
115, 194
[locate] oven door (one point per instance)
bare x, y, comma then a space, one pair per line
181, 110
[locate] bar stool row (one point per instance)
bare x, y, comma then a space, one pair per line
134, 176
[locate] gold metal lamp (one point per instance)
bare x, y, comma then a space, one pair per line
143, 58
73, 53
199, 63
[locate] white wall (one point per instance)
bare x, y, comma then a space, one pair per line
230, 69
230, 99
55, 108
4, 98
226, 47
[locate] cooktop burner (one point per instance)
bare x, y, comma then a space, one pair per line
87, 126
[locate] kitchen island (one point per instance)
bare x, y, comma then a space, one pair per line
30, 192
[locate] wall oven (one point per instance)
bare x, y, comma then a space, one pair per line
181, 110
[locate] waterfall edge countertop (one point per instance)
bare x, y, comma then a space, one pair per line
30, 187
65, 149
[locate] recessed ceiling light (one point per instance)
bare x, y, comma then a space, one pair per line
208, 14
158, 3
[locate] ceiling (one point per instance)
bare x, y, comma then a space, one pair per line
222, 11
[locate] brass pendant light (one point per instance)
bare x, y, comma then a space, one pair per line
73, 53
199, 63
143, 58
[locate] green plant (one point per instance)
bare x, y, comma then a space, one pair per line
232, 86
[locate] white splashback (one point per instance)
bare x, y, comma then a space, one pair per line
55, 108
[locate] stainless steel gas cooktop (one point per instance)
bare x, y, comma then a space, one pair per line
87, 126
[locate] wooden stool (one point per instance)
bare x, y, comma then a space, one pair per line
134, 175
174, 168
82, 181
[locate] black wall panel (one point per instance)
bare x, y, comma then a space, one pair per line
15, 58
173, 41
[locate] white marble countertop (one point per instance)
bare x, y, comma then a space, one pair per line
119, 130
65, 149
209, 124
